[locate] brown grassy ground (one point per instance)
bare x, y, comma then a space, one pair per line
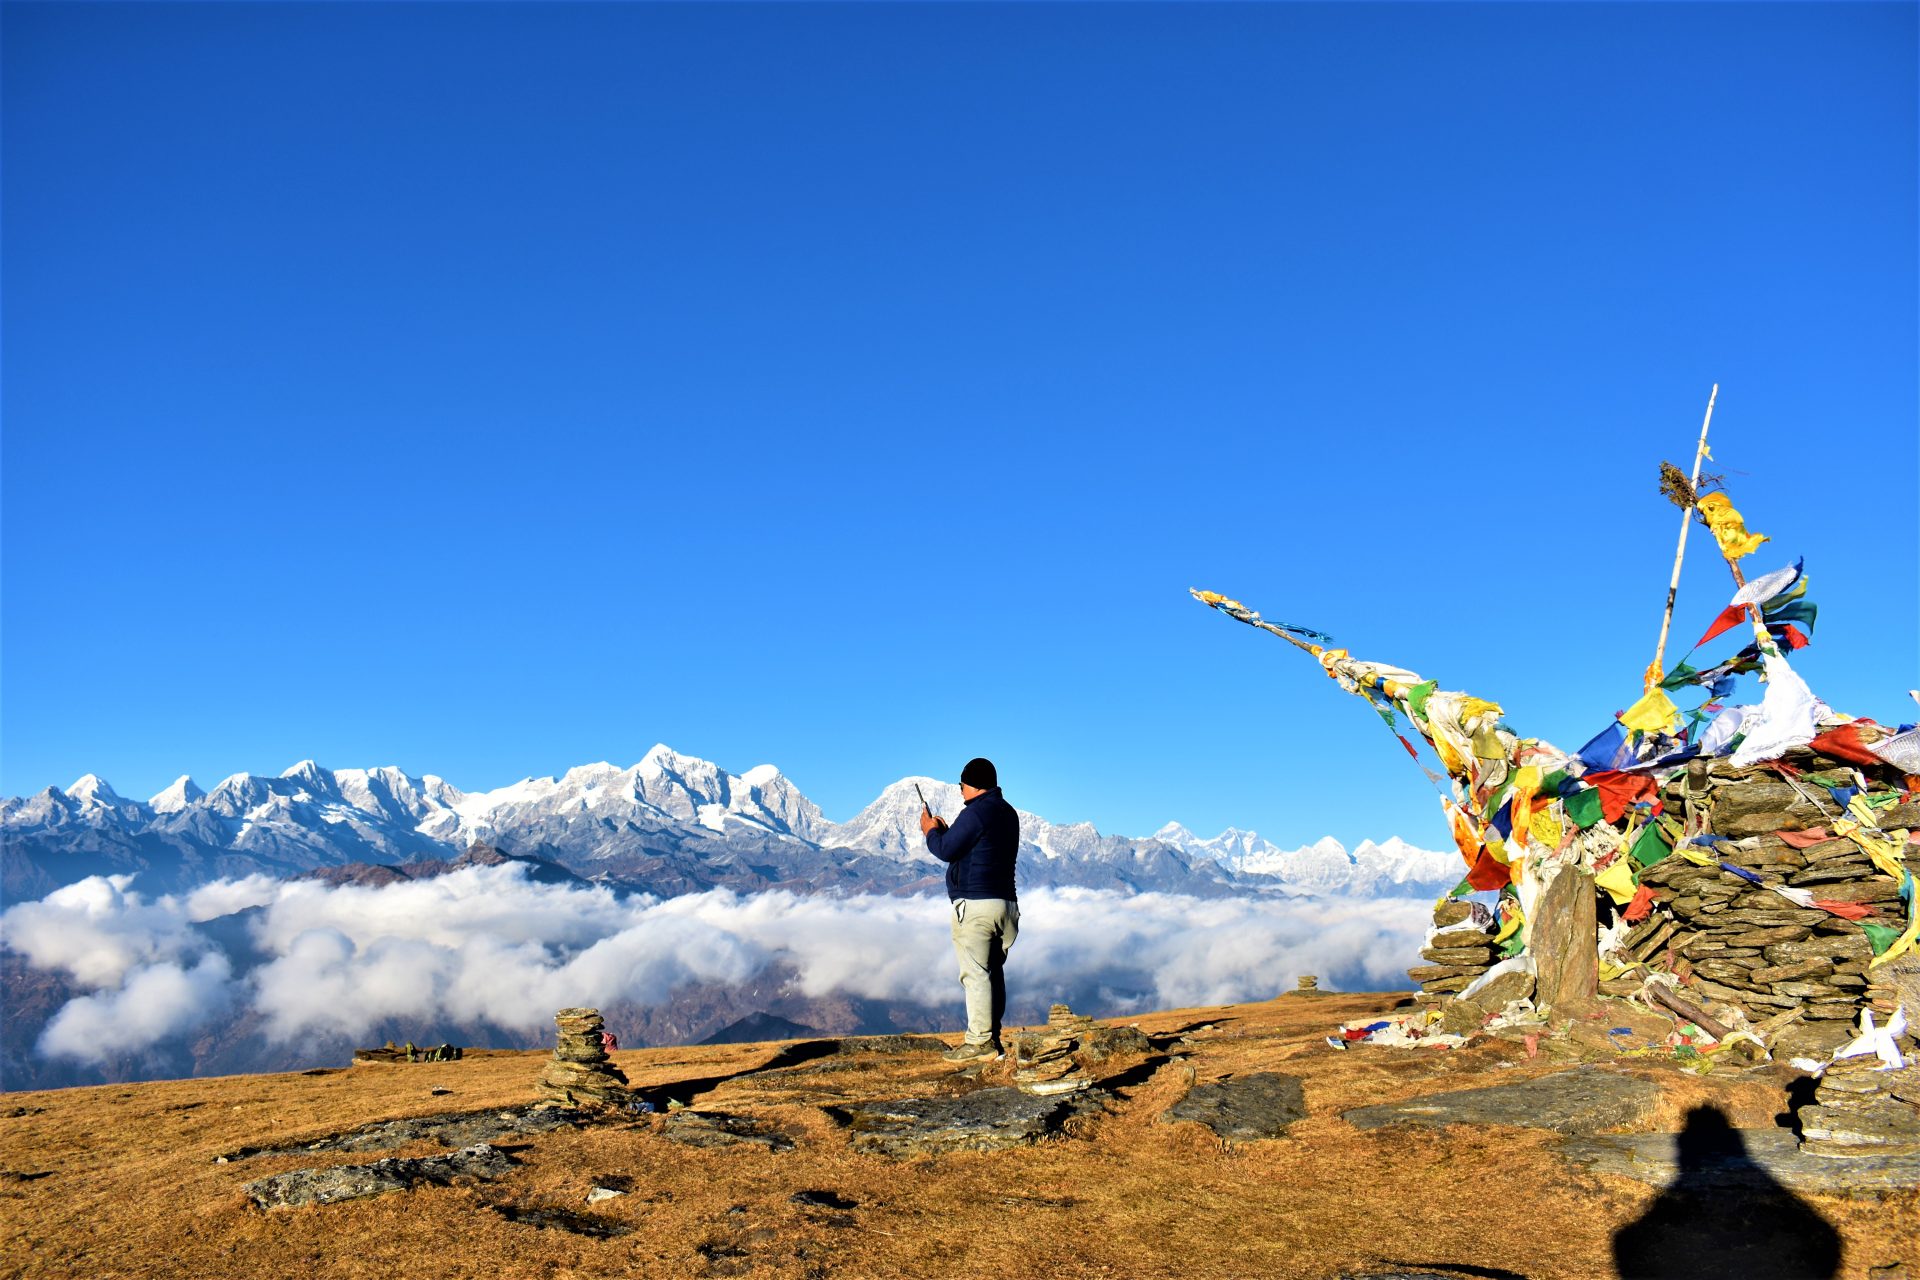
120, 1180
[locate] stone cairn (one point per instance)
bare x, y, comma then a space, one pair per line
1859, 1109
580, 1071
1800, 974
1054, 1058
1458, 953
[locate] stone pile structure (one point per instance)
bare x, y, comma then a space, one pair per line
580, 1073
1860, 1110
1800, 973
1055, 1058
1458, 951
1044, 1061
1732, 949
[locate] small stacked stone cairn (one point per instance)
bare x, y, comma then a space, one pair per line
1054, 1059
1460, 951
580, 1071
1860, 1110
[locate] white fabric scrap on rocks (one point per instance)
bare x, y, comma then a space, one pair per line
1522, 963
1902, 750
1880, 1041
1723, 727
1788, 714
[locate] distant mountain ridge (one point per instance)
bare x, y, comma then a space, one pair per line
668, 824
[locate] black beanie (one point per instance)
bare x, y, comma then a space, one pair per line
979, 773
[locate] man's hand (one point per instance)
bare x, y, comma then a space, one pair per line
928, 822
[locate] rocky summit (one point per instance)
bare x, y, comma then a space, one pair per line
1229, 1140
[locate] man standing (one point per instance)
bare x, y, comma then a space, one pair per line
979, 850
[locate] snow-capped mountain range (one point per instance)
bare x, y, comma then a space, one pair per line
668, 824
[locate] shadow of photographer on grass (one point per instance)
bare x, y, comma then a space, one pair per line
1725, 1215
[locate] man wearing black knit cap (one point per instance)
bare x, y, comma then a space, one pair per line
979, 850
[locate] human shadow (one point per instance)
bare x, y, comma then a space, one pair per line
1723, 1214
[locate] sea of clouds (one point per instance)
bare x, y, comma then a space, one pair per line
488, 944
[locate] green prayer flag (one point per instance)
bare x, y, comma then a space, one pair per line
1651, 847
1461, 890
1682, 674
1418, 695
1583, 807
1879, 936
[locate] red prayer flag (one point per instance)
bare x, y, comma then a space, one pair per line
1851, 910
1803, 839
1619, 790
1642, 904
1844, 744
1489, 872
1732, 614
1793, 637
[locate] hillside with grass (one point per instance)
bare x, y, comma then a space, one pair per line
1242, 1140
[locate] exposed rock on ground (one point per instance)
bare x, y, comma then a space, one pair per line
1243, 1109
720, 1129
1657, 1159
355, 1181
984, 1120
451, 1129
1585, 1100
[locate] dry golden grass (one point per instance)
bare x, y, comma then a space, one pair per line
121, 1180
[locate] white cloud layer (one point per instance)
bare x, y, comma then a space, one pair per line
486, 944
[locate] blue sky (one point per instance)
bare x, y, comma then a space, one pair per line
491, 389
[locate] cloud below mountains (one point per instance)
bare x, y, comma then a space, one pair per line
486, 944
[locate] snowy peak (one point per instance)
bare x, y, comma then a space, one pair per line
891, 824
310, 816
91, 788
177, 796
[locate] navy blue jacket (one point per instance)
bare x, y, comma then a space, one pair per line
979, 848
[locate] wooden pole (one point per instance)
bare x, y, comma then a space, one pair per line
1656, 673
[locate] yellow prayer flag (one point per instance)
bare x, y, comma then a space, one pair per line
1654, 713
1729, 530
1617, 880
1471, 706
1546, 829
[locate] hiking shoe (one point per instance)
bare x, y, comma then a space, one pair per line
988, 1050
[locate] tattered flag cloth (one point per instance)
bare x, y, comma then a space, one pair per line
1518, 804
1767, 586
1729, 530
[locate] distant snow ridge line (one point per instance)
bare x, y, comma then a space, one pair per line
669, 824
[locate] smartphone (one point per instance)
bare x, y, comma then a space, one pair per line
923, 799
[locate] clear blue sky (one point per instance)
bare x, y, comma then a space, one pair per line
490, 389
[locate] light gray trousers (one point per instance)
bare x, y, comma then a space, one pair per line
983, 933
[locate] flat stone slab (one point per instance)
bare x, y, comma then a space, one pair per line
851, 1045
1585, 1100
357, 1181
721, 1129
450, 1129
984, 1120
1243, 1109
1775, 1154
